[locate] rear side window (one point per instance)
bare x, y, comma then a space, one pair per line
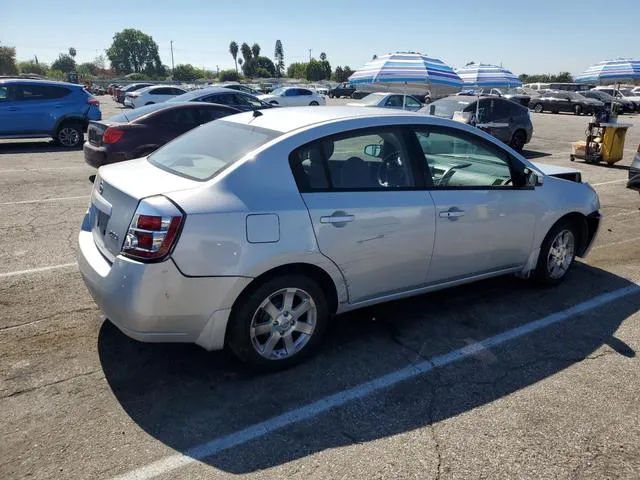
3, 94
209, 114
40, 92
205, 151
161, 91
178, 116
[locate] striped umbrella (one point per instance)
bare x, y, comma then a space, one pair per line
408, 69
612, 71
489, 76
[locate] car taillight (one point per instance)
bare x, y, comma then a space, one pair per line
154, 229
112, 135
93, 101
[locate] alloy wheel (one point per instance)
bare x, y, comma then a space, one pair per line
283, 324
68, 137
561, 254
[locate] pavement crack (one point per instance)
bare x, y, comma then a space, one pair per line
48, 317
57, 382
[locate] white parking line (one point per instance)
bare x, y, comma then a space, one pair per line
21, 170
609, 182
45, 200
37, 270
323, 405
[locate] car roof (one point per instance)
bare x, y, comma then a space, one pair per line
285, 120
32, 81
207, 91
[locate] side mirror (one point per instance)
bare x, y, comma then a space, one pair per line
531, 178
373, 150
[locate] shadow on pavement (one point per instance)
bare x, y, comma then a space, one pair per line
184, 396
42, 146
532, 154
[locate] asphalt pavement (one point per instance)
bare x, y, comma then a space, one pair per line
495, 380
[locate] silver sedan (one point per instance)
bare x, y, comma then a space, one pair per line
389, 100
255, 229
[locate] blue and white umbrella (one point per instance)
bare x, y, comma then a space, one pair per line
408, 69
490, 76
612, 71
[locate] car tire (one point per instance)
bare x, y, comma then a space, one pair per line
314, 104
577, 110
251, 343
557, 254
518, 140
538, 108
70, 135
331, 95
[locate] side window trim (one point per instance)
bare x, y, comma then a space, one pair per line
511, 162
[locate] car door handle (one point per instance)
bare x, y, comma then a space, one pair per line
341, 218
451, 214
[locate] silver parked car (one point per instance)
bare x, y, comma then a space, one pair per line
389, 100
254, 229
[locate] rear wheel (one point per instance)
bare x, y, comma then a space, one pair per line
279, 323
70, 135
557, 253
537, 108
518, 141
314, 104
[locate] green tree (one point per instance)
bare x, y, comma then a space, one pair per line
87, 69
133, 51
64, 63
318, 70
72, 52
185, 73
297, 70
55, 74
233, 50
8, 64
255, 50
375, 57
33, 67
323, 56
228, 76
245, 49
278, 56
342, 74
100, 62
264, 64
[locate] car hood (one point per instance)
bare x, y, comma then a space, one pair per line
554, 170
266, 97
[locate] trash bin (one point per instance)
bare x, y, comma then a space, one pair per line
613, 141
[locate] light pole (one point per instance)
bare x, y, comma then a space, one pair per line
172, 65
310, 54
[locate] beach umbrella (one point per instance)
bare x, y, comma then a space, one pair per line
483, 75
612, 71
409, 69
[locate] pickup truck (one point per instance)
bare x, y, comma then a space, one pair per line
342, 90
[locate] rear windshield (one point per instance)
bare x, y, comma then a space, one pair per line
446, 107
203, 152
132, 115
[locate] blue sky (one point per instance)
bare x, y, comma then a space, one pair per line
537, 36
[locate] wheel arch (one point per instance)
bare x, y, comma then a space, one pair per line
584, 226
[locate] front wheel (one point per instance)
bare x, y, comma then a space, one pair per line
518, 141
314, 104
278, 324
557, 253
70, 135
537, 108
577, 110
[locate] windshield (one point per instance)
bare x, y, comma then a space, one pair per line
515, 91
626, 92
371, 99
203, 152
446, 107
278, 91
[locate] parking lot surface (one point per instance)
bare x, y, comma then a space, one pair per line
495, 380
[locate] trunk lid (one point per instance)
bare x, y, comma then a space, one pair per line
95, 132
116, 193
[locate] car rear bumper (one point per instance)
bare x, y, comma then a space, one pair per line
98, 156
155, 302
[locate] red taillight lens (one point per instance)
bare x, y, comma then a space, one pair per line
93, 101
112, 135
153, 230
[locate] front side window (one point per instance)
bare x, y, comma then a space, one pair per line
455, 159
412, 102
251, 101
374, 159
3, 94
394, 101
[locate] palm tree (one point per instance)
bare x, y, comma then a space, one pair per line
323, 56
72, 52
255, 49
233, 50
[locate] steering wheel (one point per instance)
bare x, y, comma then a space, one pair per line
391, 172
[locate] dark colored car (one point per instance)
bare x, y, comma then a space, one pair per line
136, 133
556, 101
517, 95
502, 118
222, 96
342, 90
623, 105
242, 88
121, 92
